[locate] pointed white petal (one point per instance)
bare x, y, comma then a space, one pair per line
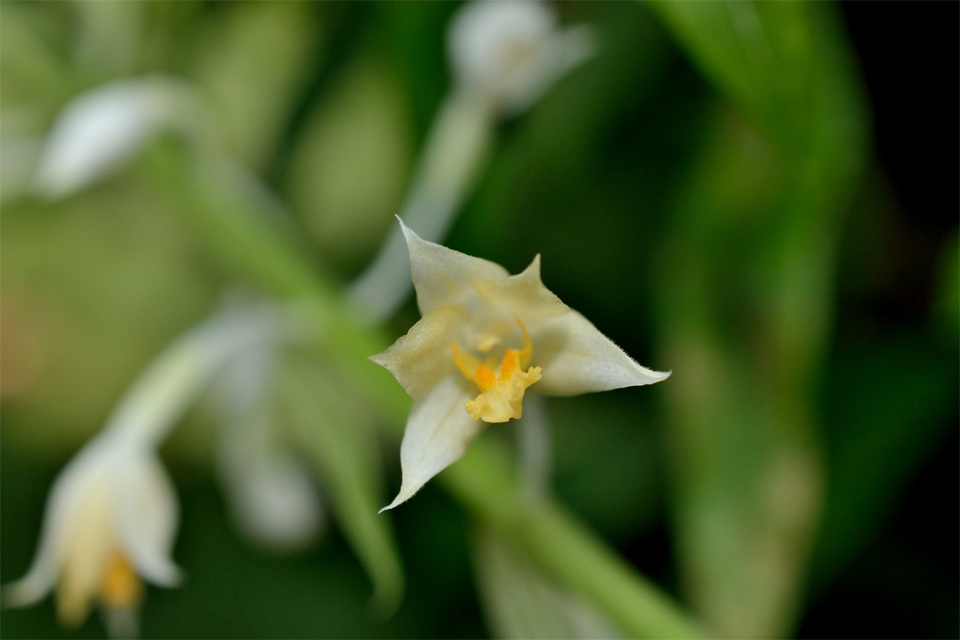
67, 497
421, 358
525, 295
29, 589
86, 553
438, 432
444, 276
577, 358
147, 515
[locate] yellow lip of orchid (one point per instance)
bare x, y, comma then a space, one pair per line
120, 586
501, 391
472, 306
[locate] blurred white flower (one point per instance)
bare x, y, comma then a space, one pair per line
271, 494
508, 53
481, 331
112, 512
110, 521
102, 129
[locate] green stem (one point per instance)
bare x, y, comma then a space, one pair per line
484, 480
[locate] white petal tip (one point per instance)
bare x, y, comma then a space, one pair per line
645, 377
21, 594
408, 233
400, 499
168, 576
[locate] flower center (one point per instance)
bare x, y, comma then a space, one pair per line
501, 391
120, 588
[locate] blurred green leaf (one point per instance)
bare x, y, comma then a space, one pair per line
109, 38
757, 53
32, 71
92, 290
606, 464
252, 59
350, 168
520, 602
338, 438
748, 326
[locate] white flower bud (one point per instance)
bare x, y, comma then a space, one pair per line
101, 130
508, 53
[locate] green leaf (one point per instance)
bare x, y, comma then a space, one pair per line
351, 165
521, 602
338, 438
758, 54
253, 60
748, 337
784, 63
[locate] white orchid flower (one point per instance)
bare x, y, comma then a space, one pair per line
109, 523
507, 54
112, 512
485, 338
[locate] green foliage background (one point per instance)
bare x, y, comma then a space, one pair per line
705, 190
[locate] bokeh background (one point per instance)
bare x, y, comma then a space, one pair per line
782, 235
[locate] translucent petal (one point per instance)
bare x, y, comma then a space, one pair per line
88, 546
444, 276
577, 358
421, 358
524, 295
438, 432
67, 497
147, 517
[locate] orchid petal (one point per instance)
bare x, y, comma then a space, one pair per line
421, 358
444, 276
524, 295
577, 358
147, 517
437, 434
67, 496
